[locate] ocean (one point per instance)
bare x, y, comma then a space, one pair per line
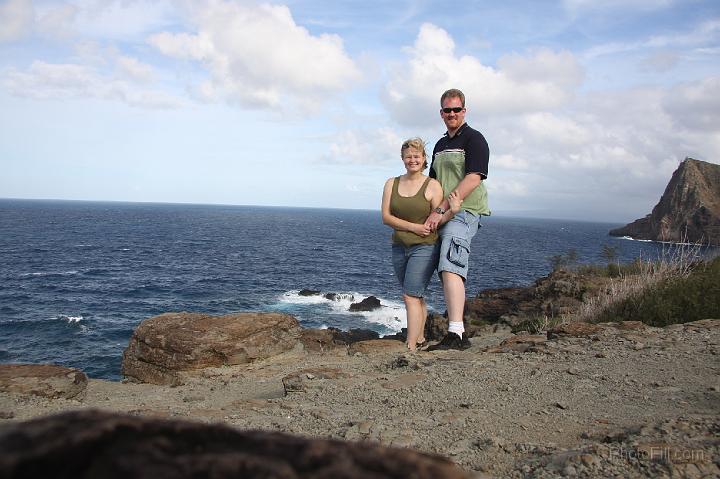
78, 277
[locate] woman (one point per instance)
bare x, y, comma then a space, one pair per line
407, 201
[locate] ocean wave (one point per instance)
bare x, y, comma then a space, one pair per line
69, 319
48, 273
390, 316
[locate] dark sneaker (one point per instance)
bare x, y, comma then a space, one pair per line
451, 341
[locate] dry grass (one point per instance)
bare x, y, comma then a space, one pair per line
639, 277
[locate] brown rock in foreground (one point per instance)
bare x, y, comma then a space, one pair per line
46, 380
100, 444
163, 345
689, 209
575, 329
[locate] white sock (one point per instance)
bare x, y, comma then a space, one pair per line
456, 327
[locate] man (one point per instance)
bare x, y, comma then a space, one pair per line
460, 164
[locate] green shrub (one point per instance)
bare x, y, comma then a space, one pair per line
677, 299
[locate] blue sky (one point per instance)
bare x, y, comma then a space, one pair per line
588, 106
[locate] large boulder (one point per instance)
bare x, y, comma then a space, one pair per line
169, 343
46, 380
371, 303
84, 444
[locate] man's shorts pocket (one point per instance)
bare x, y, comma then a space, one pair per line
459, 251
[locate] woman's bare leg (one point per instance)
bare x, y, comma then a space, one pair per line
421, 336
414, 308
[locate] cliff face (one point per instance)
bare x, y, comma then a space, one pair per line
689, 210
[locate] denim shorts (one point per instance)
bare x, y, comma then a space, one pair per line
455, 238
414, 266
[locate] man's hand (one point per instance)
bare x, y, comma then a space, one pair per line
433, 221
455, 202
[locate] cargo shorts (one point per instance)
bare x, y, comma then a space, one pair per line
454, 243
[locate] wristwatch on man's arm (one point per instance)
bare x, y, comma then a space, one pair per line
439, 211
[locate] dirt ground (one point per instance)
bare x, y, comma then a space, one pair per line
617, 403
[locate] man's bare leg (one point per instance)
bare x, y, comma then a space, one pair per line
454, 289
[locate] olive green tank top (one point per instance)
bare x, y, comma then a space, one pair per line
414, 209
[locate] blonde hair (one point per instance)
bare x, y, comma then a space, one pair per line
453, 93
418, 144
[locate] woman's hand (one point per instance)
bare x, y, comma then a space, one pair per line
421, 230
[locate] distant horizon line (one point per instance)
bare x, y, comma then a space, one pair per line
502, 213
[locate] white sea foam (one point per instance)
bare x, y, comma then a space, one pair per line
629, 238
70, 319
293, 297
391, 314
49, 273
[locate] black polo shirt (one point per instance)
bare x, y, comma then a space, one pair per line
469, 141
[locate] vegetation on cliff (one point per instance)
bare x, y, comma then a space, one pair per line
674, 299
678, 288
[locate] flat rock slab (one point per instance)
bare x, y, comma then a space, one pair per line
46, 380
374, 346
93, 443
164, 345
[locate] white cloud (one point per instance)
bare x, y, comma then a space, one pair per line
539, 81
378, 146
61, 81
660, 62
16, 20
508, 188
259, 57
510, 162
559, 68
703, 34
124, 20
553, 130
58, 22
135, 69
696, 105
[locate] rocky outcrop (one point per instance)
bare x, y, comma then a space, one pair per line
167, 344
561, 292
371, 303
108, 445
328, 296
688, 211
332, 338
308, 292
46, 380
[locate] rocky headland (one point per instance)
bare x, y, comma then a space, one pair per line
688, 211
255, 392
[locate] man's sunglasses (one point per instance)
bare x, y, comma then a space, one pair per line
456, 109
